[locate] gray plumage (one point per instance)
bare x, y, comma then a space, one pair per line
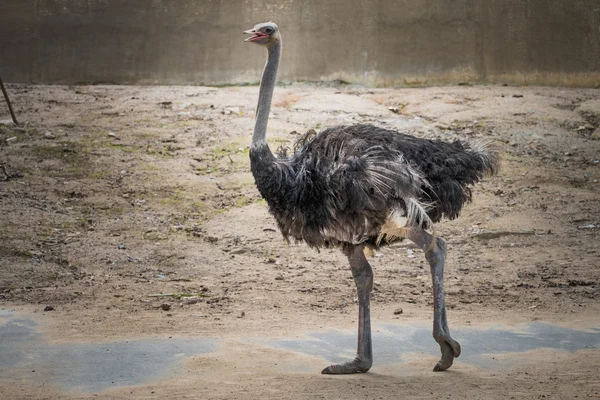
342, 184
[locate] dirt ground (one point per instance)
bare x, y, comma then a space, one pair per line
112, 194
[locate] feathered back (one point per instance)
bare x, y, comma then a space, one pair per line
344, 182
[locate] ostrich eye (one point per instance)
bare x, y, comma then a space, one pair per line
268, 31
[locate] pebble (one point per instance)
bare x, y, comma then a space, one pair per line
165, 307
49, 308
232, 110
238, 250
49, 135
398, 311
588, 226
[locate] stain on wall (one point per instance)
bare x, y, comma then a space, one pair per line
376, 42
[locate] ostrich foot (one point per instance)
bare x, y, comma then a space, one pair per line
351, 367
450, 349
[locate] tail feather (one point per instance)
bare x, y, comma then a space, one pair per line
457, 166
487, 152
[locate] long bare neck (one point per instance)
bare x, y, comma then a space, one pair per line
267, 84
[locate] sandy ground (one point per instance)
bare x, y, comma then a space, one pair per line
112, 194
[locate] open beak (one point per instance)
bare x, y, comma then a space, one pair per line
255, 35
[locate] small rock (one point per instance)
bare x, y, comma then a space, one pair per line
112, 134
279, 278
11, 139
242, 314
232, 110
398, 311
211, 239
49, 135
49, 308
588, 226
165, 307
121, 247
238, 250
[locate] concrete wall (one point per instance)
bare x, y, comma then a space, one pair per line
376, 42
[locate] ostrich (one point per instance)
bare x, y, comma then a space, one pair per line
359, 187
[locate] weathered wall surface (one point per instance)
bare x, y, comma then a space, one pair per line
377, 42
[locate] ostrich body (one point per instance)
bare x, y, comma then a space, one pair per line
360, 186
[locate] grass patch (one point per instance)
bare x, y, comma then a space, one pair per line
98, 174
242, 201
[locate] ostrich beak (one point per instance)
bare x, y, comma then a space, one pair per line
256, 35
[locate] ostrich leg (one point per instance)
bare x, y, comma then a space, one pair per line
436, 255
363, 277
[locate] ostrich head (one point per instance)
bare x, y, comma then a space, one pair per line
265, 34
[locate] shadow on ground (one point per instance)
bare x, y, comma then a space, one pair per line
27, 354
489, 348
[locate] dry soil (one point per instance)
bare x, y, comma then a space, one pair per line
112, 194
